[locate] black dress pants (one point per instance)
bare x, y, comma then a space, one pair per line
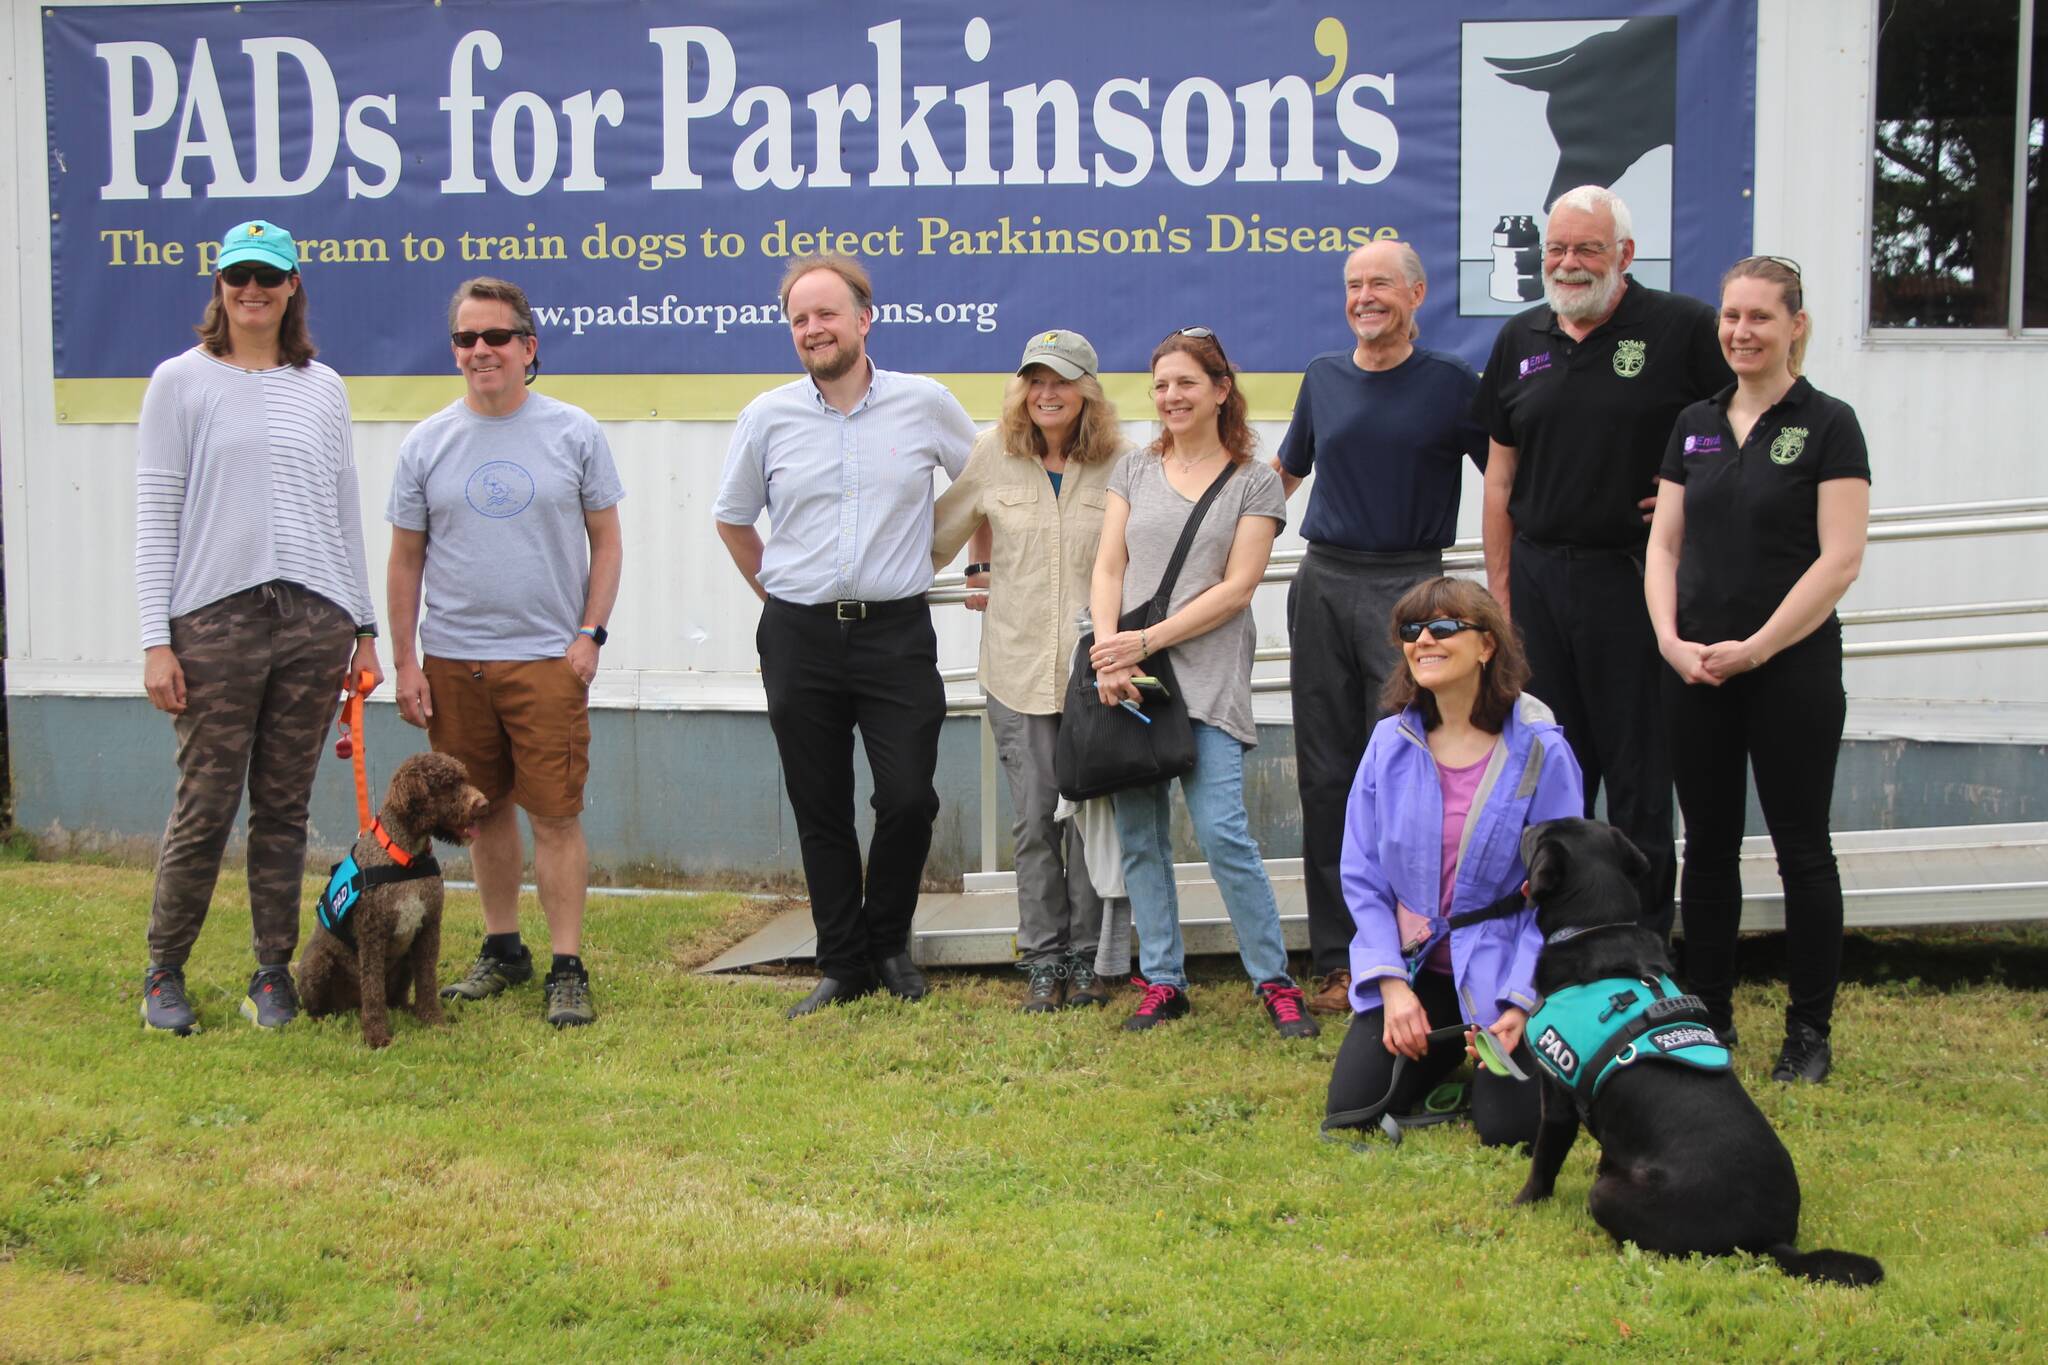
825, 678
1593, 661
1784, 723
1504, 1110
1340, 612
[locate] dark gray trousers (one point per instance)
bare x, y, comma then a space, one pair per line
1058, 912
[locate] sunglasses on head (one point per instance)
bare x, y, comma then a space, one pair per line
490, 336
235, 276
1204, 334
1443, 628
1785, 261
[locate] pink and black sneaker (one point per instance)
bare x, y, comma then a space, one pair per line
1287, 1007
1161, 1004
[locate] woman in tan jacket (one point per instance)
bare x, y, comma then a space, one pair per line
1037, 480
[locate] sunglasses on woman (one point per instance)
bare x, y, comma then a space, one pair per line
1204, 334
490, 336
1443, 628
236, 276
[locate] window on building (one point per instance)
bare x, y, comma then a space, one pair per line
1952, 244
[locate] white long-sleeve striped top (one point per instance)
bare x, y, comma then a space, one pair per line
243, 477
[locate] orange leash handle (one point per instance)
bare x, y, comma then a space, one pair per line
352, 724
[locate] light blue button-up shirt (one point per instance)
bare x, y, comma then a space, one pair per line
848, 495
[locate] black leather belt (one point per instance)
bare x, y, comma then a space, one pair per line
847, 611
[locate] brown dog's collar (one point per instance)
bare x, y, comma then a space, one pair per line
385, 842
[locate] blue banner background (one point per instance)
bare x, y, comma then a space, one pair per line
1273, 309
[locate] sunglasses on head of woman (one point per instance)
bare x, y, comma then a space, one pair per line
235, 276
1443, 628
1204, 334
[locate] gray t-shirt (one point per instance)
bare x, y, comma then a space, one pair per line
1214, 669
502, 502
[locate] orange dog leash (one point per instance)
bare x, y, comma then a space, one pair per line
351, 746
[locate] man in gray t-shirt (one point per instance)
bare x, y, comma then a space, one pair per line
505, 508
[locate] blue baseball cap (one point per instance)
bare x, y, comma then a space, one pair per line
261, 242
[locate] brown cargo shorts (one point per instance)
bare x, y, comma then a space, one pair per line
520, 727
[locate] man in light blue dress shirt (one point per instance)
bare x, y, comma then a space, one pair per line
842, 462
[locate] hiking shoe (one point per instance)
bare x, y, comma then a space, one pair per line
490, 975
1048, 988
1335, 995
1084, 987
569, 999
164, 1006
1287, 1009
1161, 1004
1805, 1056
271, 1002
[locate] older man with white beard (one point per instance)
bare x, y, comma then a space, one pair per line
1578, 399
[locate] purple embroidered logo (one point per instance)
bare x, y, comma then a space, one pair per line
1703, 445
1535, 364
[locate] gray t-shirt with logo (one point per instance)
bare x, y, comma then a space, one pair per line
502, 502
1214, 669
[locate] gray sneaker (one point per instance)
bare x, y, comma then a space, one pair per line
272, 1002
164, 1006
488, 976
569, 1000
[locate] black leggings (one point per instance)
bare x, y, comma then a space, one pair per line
1503, 1110
1782, 722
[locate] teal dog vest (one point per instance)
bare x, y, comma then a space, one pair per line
1584, 1034
347, 882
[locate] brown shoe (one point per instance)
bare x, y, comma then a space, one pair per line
1335, 995
1084, 987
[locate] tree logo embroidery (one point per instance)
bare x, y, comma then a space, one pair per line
1629, 357
1790, 442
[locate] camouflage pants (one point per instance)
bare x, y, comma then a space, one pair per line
262, 671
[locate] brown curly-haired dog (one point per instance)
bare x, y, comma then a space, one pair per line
397, 925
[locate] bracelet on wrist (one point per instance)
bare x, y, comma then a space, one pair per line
983, 567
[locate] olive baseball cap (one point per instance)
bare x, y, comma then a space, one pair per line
261, 242
1066, 354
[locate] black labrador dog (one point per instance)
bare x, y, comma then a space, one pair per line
1688, 1163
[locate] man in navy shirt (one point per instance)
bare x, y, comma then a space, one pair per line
1578, 398
1385, 426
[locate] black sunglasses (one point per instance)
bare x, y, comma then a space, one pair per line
235, 276
1204, 334
1443, 628
490, 336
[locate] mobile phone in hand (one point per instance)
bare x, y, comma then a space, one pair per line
1152, 687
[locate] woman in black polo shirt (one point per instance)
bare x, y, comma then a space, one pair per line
1761, 517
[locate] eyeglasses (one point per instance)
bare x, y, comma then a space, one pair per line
1785, 261
1204, 334
1585, 251
236, 276
1443, 628
490, 336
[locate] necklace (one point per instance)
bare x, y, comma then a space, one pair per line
1187, 466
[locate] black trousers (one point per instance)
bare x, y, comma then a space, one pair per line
1784, 723
1340, 611
1593, 660
1503, 1110
824, 679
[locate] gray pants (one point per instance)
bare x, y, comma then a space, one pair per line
1340, 612
1058, 911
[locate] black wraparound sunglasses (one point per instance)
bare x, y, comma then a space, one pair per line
1443, 628
490, 336
236, 276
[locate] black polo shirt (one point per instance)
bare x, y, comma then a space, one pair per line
1752, 512
1588, 418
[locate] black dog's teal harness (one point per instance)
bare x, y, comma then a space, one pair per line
1585, 1033
347, 882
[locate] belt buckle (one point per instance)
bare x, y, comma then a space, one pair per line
850, 611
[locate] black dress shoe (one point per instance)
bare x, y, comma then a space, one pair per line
901, 978
830, 991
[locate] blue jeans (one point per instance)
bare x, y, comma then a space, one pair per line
1215, 796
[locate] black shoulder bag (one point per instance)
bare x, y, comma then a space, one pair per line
1104, 749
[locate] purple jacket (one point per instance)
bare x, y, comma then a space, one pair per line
1393, 852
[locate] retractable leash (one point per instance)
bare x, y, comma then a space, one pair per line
1377, 1111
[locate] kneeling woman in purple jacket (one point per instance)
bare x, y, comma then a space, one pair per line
1434, 829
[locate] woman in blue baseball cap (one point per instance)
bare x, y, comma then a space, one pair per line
255, 604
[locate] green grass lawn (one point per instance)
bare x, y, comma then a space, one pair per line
696, 1178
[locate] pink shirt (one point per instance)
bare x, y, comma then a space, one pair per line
1459, 785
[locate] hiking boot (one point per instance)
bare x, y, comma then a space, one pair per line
1161, 1004
1335, 995
1084, 987
164, 1006
1048, 988
569, 999
1287, 1009
271, 1002
490, 975
1805, 1056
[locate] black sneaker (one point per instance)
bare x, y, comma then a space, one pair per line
271, 1002
569, 999
1161, 1004
1805, 1056
164, 1006
1287, 1008
1048, 988
488, 976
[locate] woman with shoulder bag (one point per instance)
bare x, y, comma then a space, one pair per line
1208, 628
